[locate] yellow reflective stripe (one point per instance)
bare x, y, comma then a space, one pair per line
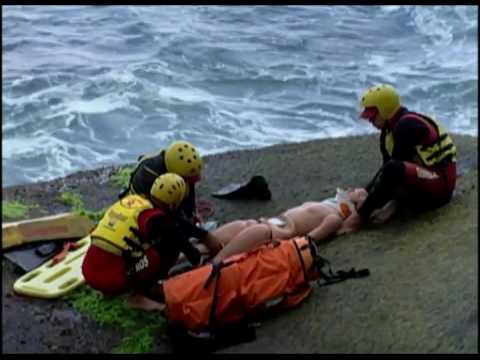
432, 158
389, 143
433, 153
439, 150
106, 245
435, 144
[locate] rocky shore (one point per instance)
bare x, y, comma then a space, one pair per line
421, 297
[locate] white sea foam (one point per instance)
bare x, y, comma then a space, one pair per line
88, 86
192, 95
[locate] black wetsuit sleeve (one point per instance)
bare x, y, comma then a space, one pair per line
188, 205
385, 158
169, 237
191, 230
160, 227
369, 187
407, 135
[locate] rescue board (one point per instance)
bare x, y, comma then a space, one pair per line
54, 279
54, 227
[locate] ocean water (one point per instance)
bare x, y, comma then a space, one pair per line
87, 86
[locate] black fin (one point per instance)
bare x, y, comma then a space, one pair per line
255, 188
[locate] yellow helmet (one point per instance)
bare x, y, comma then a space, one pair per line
384, 98
170, 189
183, 159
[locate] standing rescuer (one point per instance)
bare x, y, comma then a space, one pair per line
419, 157
180, 158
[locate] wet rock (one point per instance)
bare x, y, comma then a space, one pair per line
411, 297
67, 331
40, 318
67, 318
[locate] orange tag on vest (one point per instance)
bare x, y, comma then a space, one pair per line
345, 210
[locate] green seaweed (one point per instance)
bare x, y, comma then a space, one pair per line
121, 177
140, 341
75, 201
140, 326
15, 209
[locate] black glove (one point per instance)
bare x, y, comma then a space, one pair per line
190, 251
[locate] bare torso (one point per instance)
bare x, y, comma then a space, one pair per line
306, 217
317, 219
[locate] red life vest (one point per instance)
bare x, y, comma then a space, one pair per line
435, 149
